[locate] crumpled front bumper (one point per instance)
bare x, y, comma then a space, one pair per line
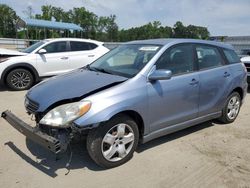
32, 133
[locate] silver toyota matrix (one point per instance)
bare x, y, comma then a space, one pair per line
137, 92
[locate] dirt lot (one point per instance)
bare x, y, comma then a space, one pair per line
207, 155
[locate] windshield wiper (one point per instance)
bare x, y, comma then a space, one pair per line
100, 70
97, 69
87, 67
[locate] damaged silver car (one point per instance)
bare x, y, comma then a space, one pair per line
137, 92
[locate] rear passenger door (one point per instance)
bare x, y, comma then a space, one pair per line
214, 79
81, 54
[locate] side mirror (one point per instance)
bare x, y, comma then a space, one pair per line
160, 75
42, 51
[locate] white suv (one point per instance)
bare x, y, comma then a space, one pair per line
246, 61
48, 58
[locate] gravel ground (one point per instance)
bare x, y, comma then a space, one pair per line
206, 155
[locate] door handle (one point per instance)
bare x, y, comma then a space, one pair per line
226, 74
91, 55
64, 58
194, 82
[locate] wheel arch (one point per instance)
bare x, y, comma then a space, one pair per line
26, 66
136, 117
240, 91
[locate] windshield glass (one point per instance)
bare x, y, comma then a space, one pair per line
125, 60
33, 47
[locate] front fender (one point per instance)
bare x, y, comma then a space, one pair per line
109, 103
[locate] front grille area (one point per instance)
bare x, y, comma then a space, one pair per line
31, 106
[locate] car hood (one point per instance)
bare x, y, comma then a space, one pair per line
70, 87
245, 59
8, 52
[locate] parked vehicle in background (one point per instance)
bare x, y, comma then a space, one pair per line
246, 61
47, 58
137, 92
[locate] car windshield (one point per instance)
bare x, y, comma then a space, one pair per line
33, 47
125, 60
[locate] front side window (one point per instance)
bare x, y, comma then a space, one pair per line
126, 60
178, 59
56, 47
231, 56
33, 47
208, 57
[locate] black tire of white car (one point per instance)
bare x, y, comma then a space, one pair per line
19, 79
235, 107
113, 142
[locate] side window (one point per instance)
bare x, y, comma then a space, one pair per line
56, 47
82, 46
208, 57
179, 59
231, 56
92, 46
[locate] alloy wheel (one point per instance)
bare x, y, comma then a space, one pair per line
118, 142
233, 107
20, 79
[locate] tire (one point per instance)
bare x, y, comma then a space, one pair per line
19, 79
231, 108
113, 142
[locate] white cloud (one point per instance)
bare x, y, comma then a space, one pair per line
222, 17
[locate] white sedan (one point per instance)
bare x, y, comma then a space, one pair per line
48, 58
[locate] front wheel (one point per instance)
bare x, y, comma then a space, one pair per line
19, 79
114, 142
231, 109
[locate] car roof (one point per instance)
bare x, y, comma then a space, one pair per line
171, 41
73, 39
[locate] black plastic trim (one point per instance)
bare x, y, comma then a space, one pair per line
32, 133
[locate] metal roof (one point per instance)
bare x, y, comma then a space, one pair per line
48, 24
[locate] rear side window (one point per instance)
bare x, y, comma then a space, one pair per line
82, 46
231, 56
208, 57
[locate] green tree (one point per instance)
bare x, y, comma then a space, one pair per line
47, 12
179, 30
8, 21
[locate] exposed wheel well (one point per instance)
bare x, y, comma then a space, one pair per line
240, 91
137, 118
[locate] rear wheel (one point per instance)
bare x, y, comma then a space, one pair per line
19, 79
113, 143
231, 109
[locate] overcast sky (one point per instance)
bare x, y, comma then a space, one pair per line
222, 17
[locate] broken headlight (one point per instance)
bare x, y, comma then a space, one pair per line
62, 115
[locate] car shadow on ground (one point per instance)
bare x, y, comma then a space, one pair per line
3, 88
48, 163
173, 136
